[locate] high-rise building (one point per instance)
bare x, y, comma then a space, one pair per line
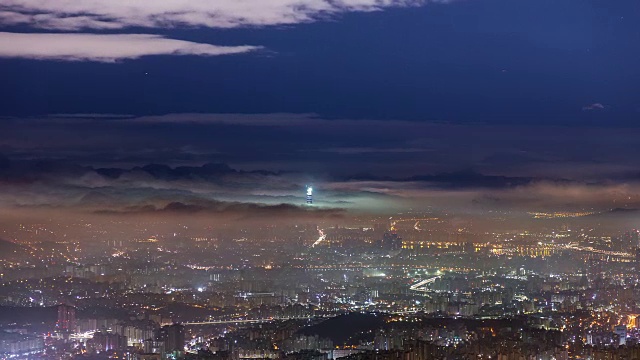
627, 241
106, 341
621, 332
152, 346
391, 241
66, 318
175, 340
173, 337
630, 241
309, 195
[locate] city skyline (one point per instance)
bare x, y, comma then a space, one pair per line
319, 180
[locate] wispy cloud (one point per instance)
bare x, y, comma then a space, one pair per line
274, 119
270, 120
101, 14
594, 106
369, 150
104, 47
92, 116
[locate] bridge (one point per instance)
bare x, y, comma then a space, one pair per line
249, 321
422, 285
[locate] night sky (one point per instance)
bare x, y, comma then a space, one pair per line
381, 104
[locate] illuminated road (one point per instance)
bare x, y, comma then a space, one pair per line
322, 237
590, 249
247, 321
421, 285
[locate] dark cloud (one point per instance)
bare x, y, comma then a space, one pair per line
472, 179
313, 145
232, 209
218, 189
135, 164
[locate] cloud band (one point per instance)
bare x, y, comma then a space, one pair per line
104, 47
100, 14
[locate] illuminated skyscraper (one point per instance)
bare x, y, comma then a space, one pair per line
66, 318
309, 195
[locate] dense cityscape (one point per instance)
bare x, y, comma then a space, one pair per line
319, 180
412, 286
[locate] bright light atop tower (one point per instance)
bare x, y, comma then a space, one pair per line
309, 195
